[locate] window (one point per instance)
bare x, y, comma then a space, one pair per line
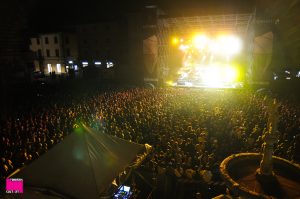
39, 53
68, 52
85, 63
56, 52
38, 41
49, 68
55, 40
58, 67
46, 40
109, 64
48, 52
67, 40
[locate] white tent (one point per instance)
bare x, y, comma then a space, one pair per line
82, 166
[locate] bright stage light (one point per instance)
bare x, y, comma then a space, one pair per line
230, 74
229, 45
200, 41
208, 60
219, 76
183, 47
175, 40
170, 83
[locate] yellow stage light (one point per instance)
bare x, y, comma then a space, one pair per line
175, 40
170, 83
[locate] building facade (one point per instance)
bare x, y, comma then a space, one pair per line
99, 44
54, 51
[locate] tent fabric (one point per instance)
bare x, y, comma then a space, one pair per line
82, 166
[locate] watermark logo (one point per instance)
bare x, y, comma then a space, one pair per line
14, 185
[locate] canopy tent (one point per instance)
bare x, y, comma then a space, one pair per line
81, 166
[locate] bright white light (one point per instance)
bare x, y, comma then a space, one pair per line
200, 41
58, 67
218, 76
229, 74
109, 64
49, 68
214, 47
70, 62
298, 75
287, 72
183, 47
229, 45
184, 75
75, 67
188, 84
211, 77
85, 64
97, 63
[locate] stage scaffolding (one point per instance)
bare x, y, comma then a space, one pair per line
239, 24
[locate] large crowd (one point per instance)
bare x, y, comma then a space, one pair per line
191, 130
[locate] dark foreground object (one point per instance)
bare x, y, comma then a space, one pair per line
240, 174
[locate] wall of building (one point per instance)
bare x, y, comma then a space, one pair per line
99, 42
53, 51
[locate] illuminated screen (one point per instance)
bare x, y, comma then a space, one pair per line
123, 193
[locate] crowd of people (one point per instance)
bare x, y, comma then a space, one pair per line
191, 130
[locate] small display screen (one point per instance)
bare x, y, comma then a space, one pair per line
124, 192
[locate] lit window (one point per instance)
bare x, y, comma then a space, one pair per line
109, 64
97, 63
58, 66
49, 68
75, 67
70, 62
85, 64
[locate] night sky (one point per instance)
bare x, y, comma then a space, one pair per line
55, 13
